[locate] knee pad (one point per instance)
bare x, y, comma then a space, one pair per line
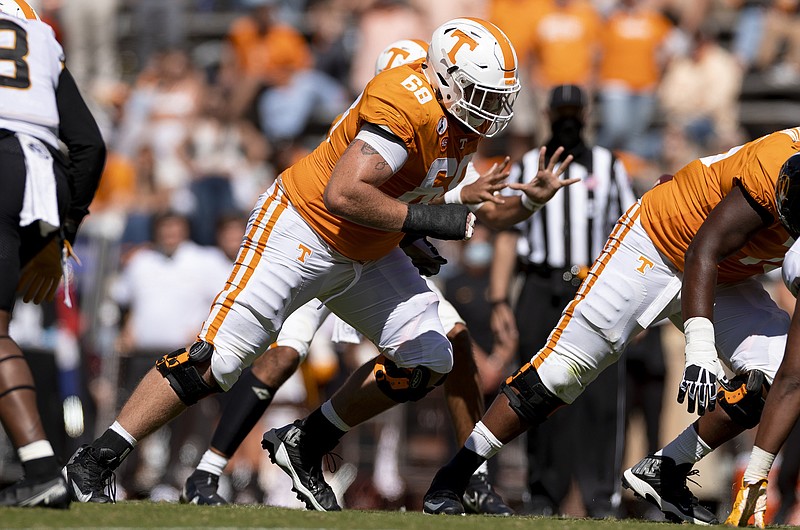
743, 398
403, 384
528, 397
180, 369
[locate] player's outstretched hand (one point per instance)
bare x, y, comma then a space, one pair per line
548, 179
487, 187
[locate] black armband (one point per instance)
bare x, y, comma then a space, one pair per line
441, 221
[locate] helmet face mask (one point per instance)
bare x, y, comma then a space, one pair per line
475, 72
787, 195
18, 9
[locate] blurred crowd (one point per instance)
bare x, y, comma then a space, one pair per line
203, 102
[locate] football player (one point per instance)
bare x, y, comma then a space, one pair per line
254, 390
45, 196
329, 228
689, 250
782, 406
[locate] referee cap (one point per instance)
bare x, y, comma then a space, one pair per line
567, 96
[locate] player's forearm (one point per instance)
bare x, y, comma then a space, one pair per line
503, 216
502, 265
699, 283
366, 205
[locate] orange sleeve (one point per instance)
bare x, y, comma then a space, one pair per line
386, 102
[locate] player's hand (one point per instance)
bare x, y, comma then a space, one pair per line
42, 274
503, 323
702, 368
751, 501
487, 187
548, 179
423, 254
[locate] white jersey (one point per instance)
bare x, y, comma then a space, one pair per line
791, 268
31, 61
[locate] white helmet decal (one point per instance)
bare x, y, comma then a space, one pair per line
401, 52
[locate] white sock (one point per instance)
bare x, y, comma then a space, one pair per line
483, 469
212, 463
759, 465
688, 447
119, 429
331, 415
34, 450
483, 442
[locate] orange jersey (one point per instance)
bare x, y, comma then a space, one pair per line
516, 18
630, 45
273, 54
439, 150
565, 42
673, 211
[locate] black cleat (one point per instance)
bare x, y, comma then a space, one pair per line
481, 497
48, 493
658, 480
300, 460
201, 488
442, 502
90, 473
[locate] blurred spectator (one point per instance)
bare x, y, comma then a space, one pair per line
565, 45
165, 290
226, 159
699, 94
158, 26
276, 63
749, 30
516, 18
155, 121
781, 30
332, 38
633, 44
380, 24
437, 13
90, 28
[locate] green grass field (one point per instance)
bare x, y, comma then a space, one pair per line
164, 515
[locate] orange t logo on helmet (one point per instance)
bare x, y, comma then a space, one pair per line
463, 39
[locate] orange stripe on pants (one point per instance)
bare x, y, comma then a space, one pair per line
623, 226
258, 250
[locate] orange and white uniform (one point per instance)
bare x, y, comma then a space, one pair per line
401, 100
637, 279
295, 250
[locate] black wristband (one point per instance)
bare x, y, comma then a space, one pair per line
441, 221
409, 239
69, 230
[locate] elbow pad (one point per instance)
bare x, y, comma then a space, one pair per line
440, 221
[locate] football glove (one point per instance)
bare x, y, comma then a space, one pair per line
751, 501
41, 275
423, 254
702, 368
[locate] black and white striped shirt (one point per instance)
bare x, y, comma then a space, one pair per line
573, 226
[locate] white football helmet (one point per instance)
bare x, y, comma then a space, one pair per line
475, 71
401, 52
19, 9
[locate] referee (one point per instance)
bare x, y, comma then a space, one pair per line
553, 250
